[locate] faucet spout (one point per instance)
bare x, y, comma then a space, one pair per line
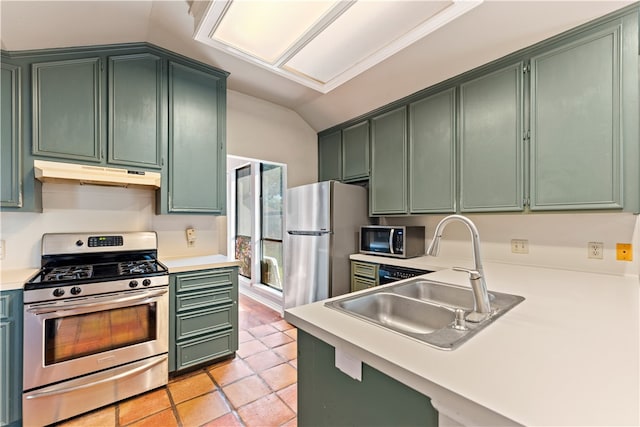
482, 306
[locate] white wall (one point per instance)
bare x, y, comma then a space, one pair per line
556, 240
261, 130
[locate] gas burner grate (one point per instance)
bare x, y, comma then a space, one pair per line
74, 272
137, 267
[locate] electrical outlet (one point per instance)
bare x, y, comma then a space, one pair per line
624, 251
191, 237
595, 250
519, 246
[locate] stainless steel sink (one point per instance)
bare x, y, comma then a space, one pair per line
428, 311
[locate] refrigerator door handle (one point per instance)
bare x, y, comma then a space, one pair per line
307, 233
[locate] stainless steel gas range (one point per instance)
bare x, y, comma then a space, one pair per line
95, 324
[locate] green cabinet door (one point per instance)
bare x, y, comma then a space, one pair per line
355, 152
491, 139
136, 107
10, 137
432, 154
330, 157
575, 125
197, 147
328, 397
11, 357
67, 109
388, 181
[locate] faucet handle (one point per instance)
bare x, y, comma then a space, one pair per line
473, 274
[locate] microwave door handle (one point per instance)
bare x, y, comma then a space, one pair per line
125, 301
391, 233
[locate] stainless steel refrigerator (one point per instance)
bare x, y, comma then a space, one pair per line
323, 221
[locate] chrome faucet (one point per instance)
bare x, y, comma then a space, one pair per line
482, 307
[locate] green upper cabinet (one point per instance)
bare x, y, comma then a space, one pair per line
197, 147
135, 110
388, 182
355, 152
575, 124
432, 154
67, 109
491, 139
10, 137
330, 156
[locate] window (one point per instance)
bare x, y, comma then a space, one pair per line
244, 216
271, 199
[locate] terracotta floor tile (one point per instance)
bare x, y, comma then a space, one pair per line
105, 417
265, 360
244, 336
165, 418
287, 351
292, 423
229, 420
294, 363
203, 409
282, 325
262, 331
144, 405
246, 390
230, 372
275, 340
188, 387
293, 333
268, 411
289, 395
280, 376
250, 347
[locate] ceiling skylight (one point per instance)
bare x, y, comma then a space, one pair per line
321, 44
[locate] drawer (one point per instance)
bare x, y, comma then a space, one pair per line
364, 269
199, 280
194, 300
358, 283
198, 322
203, 349
8, 304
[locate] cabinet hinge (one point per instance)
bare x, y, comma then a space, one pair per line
526, 67
526, 202
527, 136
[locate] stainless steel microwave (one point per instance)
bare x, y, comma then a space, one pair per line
394, 241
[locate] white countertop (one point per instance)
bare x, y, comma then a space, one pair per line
567, 355
180, 264
15, 278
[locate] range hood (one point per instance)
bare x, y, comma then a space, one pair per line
46, 171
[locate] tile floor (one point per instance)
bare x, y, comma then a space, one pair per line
256, 388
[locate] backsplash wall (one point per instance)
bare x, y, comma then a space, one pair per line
556, 240
80, 208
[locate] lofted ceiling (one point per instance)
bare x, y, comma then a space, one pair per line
485, 32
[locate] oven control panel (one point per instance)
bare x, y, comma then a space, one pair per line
101, 241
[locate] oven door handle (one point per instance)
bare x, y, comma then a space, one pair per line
146, 297
61, 389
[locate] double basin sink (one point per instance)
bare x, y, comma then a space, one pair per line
428, 311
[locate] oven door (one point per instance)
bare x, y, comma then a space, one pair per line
68, 338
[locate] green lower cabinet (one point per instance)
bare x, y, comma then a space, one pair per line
576, 150
203, 317
491, 140
11, 358
364, 275
328, 397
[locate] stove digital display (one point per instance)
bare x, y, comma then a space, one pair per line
99, 241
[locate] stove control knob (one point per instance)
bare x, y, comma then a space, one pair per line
133, 284
75, 290
58, 292
146, 282
79, 243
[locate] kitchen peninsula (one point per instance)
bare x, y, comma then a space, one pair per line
567, 355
